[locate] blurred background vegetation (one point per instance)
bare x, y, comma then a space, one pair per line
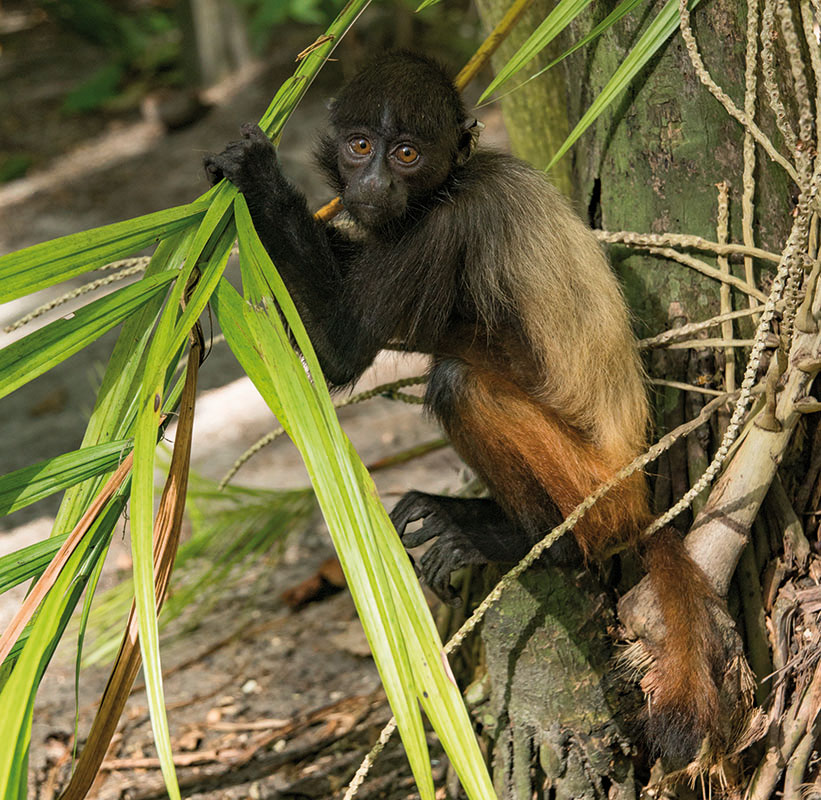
118, 59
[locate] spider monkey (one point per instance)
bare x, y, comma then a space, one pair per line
474, 258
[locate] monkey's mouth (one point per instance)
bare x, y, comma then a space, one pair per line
368, 214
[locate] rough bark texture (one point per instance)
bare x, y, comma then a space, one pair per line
558, 716
651, 162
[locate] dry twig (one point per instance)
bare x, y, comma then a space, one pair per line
390, 390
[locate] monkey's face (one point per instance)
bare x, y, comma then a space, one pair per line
397, 131
385, 173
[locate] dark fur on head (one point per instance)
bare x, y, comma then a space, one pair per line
418, 90
384, 99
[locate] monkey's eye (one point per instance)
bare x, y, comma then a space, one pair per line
406, 154
360, 145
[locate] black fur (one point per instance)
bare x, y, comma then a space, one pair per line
476, 260
403, 276
418, 90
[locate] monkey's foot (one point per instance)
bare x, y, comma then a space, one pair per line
452, 549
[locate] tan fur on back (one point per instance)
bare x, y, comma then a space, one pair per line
572, 310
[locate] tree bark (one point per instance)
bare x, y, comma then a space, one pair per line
559, 715
216, 40
652, 161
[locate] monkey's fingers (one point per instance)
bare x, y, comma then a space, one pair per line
225, 165
435, 567
431, 528
412, 507
213, 172
248, 163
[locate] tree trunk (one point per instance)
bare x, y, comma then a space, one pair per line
652, 161
215, 38
559, 715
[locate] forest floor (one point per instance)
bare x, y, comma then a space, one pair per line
263, 701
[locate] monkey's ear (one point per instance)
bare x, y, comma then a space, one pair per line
468, 140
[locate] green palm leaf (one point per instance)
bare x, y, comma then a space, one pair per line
48, 263
555, 22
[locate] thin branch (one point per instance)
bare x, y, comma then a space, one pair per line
725, 298
804, 156
75, 293
754, 616
798, 68
797, 725
636, 239
491, 43
688, 387
125, 263
797, 765
748, 176
263, 441
768, 37
705, 269
700, 344
367, 762
390, 390
694, 327
809, 23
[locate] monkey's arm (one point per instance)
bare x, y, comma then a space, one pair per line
311, 256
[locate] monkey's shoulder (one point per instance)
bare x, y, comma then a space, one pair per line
499, 187
489, 168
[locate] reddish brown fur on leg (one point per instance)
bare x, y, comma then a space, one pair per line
524, 451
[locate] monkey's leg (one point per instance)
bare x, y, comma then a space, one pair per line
532, 461
518, 446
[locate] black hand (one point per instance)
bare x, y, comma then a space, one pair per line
247, 162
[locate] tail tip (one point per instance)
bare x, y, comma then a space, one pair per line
674, 736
